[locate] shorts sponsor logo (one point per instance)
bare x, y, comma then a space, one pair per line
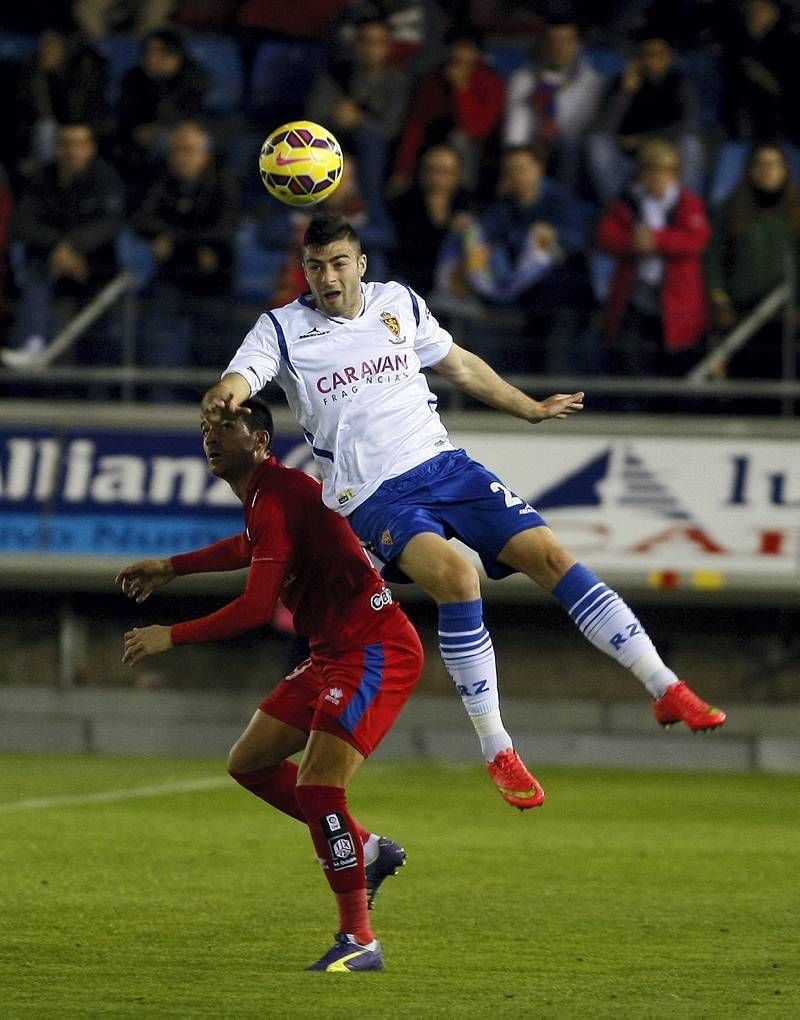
334, 695
386, 538
381, 599
343, 852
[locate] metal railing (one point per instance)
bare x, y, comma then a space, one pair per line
38, 371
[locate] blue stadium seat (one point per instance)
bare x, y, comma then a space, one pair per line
283, 72
15, 47
121, 53
507, 59
606, 61
602, 267
727, 171
221, 59
257, 267
703, 69
242, 159
134, 255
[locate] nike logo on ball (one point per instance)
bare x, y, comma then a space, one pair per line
282, 161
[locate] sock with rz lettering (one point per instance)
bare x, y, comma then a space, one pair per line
610, 625
468, 656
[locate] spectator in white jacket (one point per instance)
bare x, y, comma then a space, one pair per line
552, 102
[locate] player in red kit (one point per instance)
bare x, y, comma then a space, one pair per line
365, 659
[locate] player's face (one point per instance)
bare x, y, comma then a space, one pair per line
228, 446
334, 275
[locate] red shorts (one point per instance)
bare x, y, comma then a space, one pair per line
355, 696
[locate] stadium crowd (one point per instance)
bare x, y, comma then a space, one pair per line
587, 187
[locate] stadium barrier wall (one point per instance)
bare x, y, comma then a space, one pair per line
554, 732
709, 506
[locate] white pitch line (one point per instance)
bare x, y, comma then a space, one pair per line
109, 796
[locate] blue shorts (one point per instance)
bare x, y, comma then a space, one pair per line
452, 496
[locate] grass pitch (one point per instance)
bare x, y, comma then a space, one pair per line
627, 894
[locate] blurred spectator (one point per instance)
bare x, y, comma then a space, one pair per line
652, 98
460, 102
363, 101
165, 87
64, 82
67, 221
761, 72
282, 228
657, 313
190, 218
423, 216
755, 238
99, 18
416, 28
526, 249
554, 101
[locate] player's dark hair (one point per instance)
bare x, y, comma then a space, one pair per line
325, 228
260, 417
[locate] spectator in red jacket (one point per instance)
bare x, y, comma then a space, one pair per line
460, 102
656, 315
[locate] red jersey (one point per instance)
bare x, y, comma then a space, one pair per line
301, 552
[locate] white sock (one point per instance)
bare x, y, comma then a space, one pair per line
468, 656
609, 624
371, 849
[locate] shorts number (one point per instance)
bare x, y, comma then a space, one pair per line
510, 498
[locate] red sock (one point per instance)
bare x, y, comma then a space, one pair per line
276, 786
331, 827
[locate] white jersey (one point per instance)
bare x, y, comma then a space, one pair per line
354, 385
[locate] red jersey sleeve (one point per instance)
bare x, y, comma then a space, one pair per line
269, 555
229, 554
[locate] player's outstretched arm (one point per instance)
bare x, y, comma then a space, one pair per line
143, 641
140, 579
224, 399
473, 376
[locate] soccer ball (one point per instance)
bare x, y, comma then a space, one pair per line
301, 163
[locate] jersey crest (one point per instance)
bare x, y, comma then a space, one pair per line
392, 323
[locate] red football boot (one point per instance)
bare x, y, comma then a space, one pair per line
681, 704
516, 785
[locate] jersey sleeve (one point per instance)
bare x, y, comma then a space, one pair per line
431, 342
229, 554
258, 359
269, 559
254, 608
